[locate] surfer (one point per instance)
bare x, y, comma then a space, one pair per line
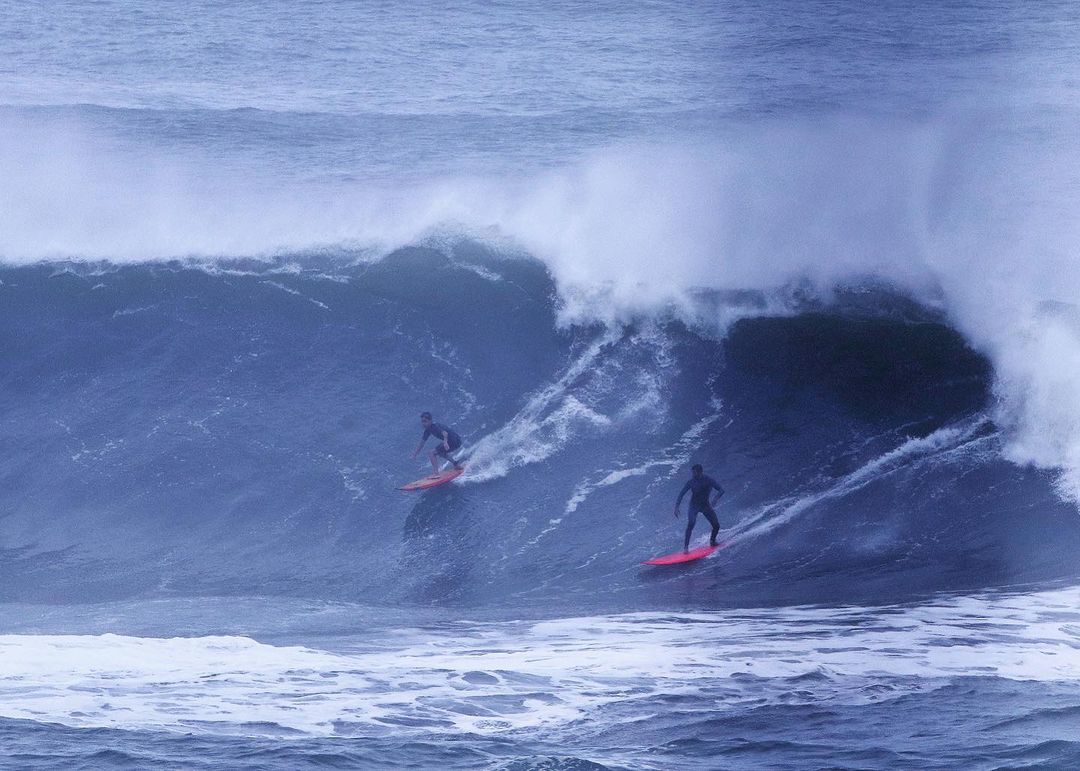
699, 486
449, 441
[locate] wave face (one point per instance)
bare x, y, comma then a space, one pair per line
689, 149
241, 428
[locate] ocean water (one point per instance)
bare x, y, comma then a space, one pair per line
827, 249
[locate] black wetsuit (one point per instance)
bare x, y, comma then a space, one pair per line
699, 488
437, 430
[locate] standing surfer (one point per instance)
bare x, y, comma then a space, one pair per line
699, 486
449, 441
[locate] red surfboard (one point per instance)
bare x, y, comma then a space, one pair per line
434, 480
680, 557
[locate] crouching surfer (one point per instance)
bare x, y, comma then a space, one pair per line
699, 485
449, 441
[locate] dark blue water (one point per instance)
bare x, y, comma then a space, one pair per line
826, 251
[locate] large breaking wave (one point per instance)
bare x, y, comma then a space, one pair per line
239, 427
958, 212
212, 378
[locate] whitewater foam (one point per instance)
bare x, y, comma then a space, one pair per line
490, 678
544, 424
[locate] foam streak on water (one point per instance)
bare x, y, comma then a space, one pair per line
937, 446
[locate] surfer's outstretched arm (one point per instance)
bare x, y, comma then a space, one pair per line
719, 492
419, 447
678, 500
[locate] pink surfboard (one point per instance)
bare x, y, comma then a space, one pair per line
434, 480
680, 557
